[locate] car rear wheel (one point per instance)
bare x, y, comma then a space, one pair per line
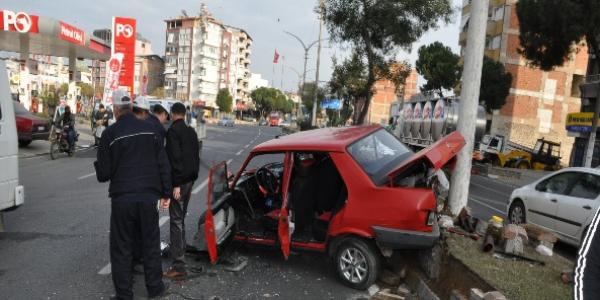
357, 263
516, 213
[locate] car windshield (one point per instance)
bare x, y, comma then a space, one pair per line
378, 154
20, 110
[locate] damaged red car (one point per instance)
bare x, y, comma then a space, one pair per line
353, 193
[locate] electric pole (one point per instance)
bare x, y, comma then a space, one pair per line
469, 99
315, 102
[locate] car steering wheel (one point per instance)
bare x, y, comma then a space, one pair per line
267, 181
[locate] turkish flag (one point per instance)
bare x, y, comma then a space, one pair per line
275, 57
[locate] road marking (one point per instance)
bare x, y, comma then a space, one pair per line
239, 152
487, 205
86, 176
246, 146
106, 270
489, 189
200, 187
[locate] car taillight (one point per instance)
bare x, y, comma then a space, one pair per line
431, 218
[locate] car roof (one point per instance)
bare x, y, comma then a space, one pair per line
581, 169
334, 139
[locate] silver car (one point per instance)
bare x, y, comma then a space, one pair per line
226, 121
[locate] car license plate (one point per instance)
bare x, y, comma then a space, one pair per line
41, 128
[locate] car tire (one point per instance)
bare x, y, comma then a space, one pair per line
357, 263
23, 143
516, 212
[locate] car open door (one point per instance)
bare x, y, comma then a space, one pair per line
283, 228
219, 216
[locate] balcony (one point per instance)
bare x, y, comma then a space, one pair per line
494, 28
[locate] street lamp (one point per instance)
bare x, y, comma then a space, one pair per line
306, 49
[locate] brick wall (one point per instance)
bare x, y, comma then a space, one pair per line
385, 94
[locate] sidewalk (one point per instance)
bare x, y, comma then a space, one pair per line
38, 148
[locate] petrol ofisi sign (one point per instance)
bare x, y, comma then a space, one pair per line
123, 41
18, 22
71, 33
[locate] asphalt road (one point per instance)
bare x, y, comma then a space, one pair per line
56, 245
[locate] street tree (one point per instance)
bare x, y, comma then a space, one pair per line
87, 91
224, 100
158, 92
308, 98
495, 84
63, 89
439, 66
264, 99
376, 28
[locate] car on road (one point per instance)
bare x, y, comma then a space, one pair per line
226, 121
563, 202
29, 126
285, 124
353, 193
263, 122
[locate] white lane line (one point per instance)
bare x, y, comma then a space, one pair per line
239, 152
489, 189
106, 270
86, 176
200, 187
488, 206
246, 146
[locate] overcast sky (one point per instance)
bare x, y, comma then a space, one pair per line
264, 20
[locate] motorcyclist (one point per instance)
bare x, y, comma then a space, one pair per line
67, 122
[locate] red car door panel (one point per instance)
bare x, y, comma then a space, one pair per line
283, 228
217, 188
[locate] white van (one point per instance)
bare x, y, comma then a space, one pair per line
11, 193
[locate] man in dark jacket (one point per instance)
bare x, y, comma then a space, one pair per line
158, 117
587, 271
131, 157
183, 151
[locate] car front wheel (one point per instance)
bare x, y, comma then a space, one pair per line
516, 213
357, 263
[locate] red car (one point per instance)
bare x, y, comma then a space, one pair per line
353, 193
29, 126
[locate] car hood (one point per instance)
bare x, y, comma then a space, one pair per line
436, 155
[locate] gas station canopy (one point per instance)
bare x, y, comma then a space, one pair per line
29, 34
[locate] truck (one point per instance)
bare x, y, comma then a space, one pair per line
500, 152
12, 195
425, 119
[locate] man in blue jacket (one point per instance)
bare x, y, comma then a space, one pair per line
133, 159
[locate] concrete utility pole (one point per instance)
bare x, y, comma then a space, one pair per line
589, 152
469, 99
313, 122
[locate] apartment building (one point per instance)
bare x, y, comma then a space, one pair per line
386, 93
148, 74
539, 102
202, 56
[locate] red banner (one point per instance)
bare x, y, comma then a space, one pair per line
71, 34
124, 35
18, 22
113, 69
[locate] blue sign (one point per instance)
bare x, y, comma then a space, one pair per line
335, 104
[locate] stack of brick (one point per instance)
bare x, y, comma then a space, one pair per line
514, 237
540, 236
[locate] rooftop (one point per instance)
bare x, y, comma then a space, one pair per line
325, 139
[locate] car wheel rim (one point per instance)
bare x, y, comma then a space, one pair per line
517, 215
353, 265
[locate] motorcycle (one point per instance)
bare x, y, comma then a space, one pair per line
60, 143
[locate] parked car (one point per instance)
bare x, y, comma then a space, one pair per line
29, 126
263, 122
563, 202
285, 124
226, 121
12, 194
352, 193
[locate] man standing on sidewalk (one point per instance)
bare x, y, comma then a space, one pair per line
131, 157
183, 151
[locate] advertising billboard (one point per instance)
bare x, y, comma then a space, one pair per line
123, 41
